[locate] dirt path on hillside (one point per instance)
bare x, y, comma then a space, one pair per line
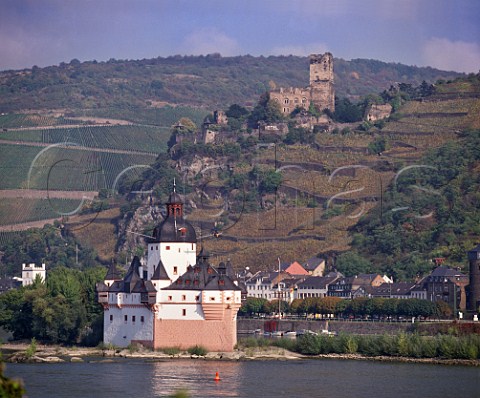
27, 225
39, 194
78, 147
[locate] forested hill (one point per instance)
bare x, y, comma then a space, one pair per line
209, 81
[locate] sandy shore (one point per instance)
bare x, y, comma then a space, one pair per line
55, 354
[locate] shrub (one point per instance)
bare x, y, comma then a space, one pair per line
198, 350
32, 348
171, 350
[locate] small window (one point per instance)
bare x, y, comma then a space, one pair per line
167, 247
151, 248
133, 318
142, 319
175, 269
212, 298
228, 298
156, 247
197, 298
184, 312
170, 298
184, 298
111, 318
187, 282
125, 318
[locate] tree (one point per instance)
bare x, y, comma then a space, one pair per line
270, 182
266, 110
352, 263
10, 388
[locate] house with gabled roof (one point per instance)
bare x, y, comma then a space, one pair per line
175, 298
315, 266
294, 268
315, 286
399, 290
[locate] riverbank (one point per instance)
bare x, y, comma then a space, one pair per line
16, 353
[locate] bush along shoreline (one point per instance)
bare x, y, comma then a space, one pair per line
442, 347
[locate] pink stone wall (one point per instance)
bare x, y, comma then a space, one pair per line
215, 335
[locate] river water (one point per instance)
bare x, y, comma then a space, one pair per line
292, 378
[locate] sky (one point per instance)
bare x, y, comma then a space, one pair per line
444, 34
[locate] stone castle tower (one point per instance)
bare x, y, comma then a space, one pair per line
320, 91
321, 81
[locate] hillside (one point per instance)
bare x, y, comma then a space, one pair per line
134, 90
300, 195
332, 190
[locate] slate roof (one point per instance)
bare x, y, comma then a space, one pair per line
113, 273
393, 289
203, 276
312, 263
160, 273
317, 282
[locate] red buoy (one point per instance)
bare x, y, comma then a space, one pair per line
217, 377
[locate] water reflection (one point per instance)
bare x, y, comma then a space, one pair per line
197, 378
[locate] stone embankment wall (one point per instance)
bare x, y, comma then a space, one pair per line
354, 327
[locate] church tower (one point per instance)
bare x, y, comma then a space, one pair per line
474, 285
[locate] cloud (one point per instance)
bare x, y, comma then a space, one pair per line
302, 50
445, 54
208, 41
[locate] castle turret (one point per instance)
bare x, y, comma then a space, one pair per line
474, 285
173, 242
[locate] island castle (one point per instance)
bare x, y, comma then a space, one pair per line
176, 299
320, 91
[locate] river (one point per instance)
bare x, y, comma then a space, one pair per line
302, 378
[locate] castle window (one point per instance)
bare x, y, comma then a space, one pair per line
221, 282
184, 312
187, 282
304, 100
212, 298
175, 270
133, 318
286, 101
196, 282
156, 247
142, 319
184, 298
170, 298
167, 247
111, 318
125, 318
197, 298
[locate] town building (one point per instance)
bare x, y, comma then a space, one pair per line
31, 271
316, 286
175, 298
356, 286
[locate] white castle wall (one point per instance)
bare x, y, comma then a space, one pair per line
121, 332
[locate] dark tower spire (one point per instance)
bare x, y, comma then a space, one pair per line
474, 285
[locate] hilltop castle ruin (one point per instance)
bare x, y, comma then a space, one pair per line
320, 91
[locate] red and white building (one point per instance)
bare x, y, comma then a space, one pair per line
175, 299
